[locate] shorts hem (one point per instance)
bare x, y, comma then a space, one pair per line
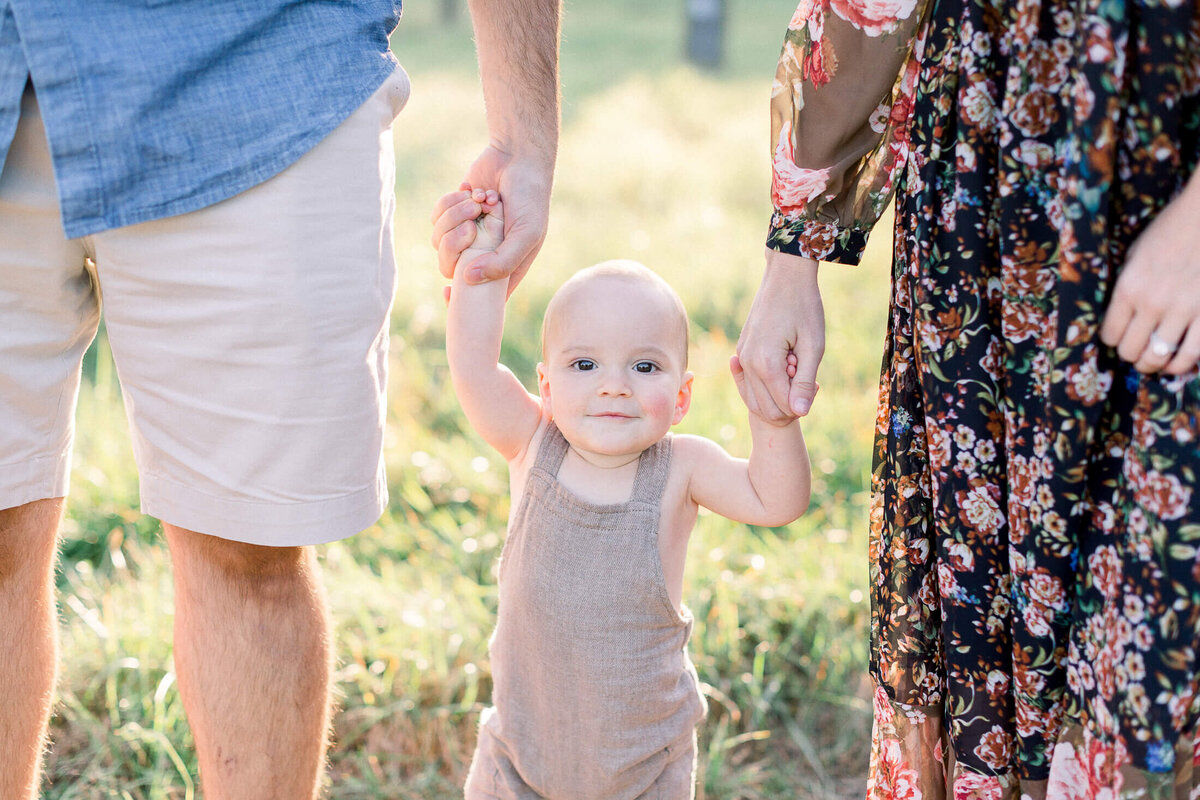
269, 524
35, 479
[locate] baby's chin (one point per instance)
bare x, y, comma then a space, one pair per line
611, 451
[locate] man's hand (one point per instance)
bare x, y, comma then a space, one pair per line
524, 183
1154, 317
517, 42
782, 341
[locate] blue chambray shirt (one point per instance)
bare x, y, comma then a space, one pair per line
158, 107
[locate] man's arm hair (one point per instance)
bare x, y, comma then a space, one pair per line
517, 42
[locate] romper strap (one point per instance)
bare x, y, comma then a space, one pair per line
653, 465
552, 451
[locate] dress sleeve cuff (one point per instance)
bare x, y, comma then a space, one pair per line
822, 241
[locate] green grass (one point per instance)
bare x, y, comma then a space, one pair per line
659, 162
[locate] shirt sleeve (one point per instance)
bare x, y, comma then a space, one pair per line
840, 105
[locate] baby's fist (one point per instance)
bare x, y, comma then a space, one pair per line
489, 225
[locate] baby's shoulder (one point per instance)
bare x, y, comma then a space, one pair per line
690, 453
689, 449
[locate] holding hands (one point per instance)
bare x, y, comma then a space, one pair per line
525, 185
782, 341
467, 225
780, 346
1153, 318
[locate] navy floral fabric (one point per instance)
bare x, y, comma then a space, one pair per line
1035, 543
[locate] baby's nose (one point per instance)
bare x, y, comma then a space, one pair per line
614, 384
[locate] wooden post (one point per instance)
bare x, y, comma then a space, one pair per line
706, 32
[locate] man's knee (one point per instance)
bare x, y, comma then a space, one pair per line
28, 535
252, 568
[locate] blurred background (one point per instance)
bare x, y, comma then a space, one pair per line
664, 159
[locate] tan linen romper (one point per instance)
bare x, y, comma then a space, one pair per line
594, 694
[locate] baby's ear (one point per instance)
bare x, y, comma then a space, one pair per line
544, 390
683, 400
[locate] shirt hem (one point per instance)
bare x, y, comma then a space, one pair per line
87, 226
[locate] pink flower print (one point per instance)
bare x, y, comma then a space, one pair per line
793, 187
1035, 621
883, 708
874, 17
1068, 779
800, 18
895, 773
973, 786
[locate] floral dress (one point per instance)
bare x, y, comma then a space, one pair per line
1035, 542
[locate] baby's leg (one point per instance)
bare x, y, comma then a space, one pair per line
492, 775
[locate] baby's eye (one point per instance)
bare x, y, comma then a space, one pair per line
583, 364
645, 367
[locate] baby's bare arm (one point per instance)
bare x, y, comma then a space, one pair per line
495, 402
771, 488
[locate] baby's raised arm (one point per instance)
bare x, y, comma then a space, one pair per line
495, 402
771, 488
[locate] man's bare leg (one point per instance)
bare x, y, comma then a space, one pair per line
254, 659
28, 641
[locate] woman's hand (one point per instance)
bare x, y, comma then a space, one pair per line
782, 341
1154, 317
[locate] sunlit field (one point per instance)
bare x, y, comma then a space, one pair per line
659, 162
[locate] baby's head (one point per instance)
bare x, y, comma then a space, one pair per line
614, 347
614, 285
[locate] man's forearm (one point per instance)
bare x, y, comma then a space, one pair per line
517, 42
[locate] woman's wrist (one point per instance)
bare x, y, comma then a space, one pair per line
796, 266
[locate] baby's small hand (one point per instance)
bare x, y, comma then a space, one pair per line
455, 238
489, 226
739, 378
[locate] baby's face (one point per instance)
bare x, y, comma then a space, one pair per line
615, 379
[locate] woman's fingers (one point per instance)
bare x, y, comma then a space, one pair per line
1155, 308
1188, 355
1159, 345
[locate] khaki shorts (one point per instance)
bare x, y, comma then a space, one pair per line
250, 338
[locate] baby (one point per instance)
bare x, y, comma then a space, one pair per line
594, 694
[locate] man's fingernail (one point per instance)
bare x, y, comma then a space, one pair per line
801, 407
475, 276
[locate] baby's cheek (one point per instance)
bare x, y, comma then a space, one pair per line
661, 405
